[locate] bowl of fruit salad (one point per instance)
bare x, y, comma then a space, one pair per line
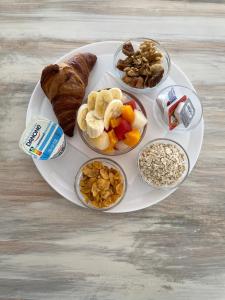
112, 121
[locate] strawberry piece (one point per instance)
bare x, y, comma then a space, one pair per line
132, 103
121, 129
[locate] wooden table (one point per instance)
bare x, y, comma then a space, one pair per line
52, 249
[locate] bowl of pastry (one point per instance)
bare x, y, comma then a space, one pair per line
141, 64
112, 121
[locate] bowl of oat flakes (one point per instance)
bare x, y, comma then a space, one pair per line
141, 64
163, 163
101, 183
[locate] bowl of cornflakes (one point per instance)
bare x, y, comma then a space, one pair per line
100, 183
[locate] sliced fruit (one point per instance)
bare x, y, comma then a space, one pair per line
109, 150
103, 98
81, 116
112, 138
132, 137
122, 128
95, 127
113, 110
91, 100
139, 120
102, 142
120, 146
115, 122
116, 93
128, 113
132, 103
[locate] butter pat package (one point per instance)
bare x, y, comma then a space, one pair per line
43, 139
170, 110
187, 113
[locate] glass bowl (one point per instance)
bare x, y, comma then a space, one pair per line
109, 163
127, 149
179, 91
186, 163
136, 42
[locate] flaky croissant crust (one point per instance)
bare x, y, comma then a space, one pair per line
64, 84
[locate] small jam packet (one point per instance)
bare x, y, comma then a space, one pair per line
169, 113
178, 111
43, 139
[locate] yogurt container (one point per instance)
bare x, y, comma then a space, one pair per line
43, 139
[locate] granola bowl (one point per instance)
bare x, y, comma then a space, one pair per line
144, 74
120, 148
100, 184
163, 164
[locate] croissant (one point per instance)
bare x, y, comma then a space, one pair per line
64, 84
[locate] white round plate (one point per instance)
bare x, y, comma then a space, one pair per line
60, 173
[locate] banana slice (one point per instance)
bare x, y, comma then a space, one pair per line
103, 98
139, 120
116, 93
81, 116
113, 110
95, 127
101, 142
91, 100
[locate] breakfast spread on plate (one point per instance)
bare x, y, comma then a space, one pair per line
162, 164
143, 68
101, 185
64, 84
111, 121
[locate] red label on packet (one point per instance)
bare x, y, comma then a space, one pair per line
169, 112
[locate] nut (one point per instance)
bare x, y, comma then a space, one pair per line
128, 49
123, 63
132, 72
137, 82
157, 74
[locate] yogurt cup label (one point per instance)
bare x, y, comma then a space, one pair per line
43, 139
